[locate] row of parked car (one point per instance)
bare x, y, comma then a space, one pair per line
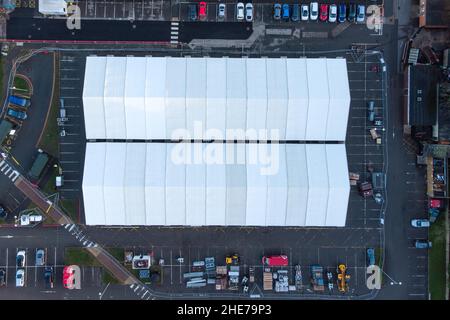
20, 273
295, 12
17, 107
322, 12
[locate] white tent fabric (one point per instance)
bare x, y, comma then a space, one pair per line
53, 7
164, 98
215, 184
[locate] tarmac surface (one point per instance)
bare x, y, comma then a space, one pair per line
405, 267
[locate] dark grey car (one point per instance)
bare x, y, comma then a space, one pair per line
192, 12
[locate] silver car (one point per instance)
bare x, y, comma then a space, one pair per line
420, 223
249, 12
40, 257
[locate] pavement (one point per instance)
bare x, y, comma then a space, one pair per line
405, 267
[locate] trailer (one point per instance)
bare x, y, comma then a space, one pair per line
317, 278
298, 277
267, 280
233, 278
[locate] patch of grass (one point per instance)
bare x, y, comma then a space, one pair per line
21, 86
436, 258
79, 256
70, 207
108, 278
50, 135
118, 253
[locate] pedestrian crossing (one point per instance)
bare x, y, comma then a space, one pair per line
174, 32
79, 235
8, 171
141, 291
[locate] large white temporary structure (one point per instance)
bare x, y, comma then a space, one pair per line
219, 184
201, 98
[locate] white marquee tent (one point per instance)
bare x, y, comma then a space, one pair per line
193, 185
154, 98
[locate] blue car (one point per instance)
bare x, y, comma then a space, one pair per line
286, 13
17, 114
370, 256
342, 12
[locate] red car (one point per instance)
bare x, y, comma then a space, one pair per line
276, 261
202, 10
323, 12
67, 276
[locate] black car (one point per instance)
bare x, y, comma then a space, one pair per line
2, 277
48, 277
192, 12
351, 16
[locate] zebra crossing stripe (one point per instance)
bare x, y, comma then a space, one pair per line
146, 291
73, 226
137, 287
84, 243
66, 226
82, 238
132, 285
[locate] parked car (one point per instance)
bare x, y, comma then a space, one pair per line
40, 257
240, 11
192, 12
48, 277
420, 223
249, 12
371, 116
222, 11
361, 13
342, 12
370, 256
19, 101
21, 115
202, 8
314, 11
371, 105
20, 278
20, 259
305, 12
67, 276
323, 12
285, 12
2, 277
423, 244
277, 11
351, 16
295, 12
276, 261
332, 15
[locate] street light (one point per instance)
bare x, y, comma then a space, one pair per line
393, 282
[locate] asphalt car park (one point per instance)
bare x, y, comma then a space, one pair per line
72, 135
91, 277
124, 10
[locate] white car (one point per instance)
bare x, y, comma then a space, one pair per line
249, 12
20, 278
420, 223
314, 11
360, 13
222, 11
20, 259
305, 12
240, 11
332, 14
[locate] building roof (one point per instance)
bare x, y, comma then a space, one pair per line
192, 184
53, 7
164, 98
435, 13
423, 95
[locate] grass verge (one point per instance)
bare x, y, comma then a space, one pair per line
49, 138
107, 277
436, 258
21, 86
79, 256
